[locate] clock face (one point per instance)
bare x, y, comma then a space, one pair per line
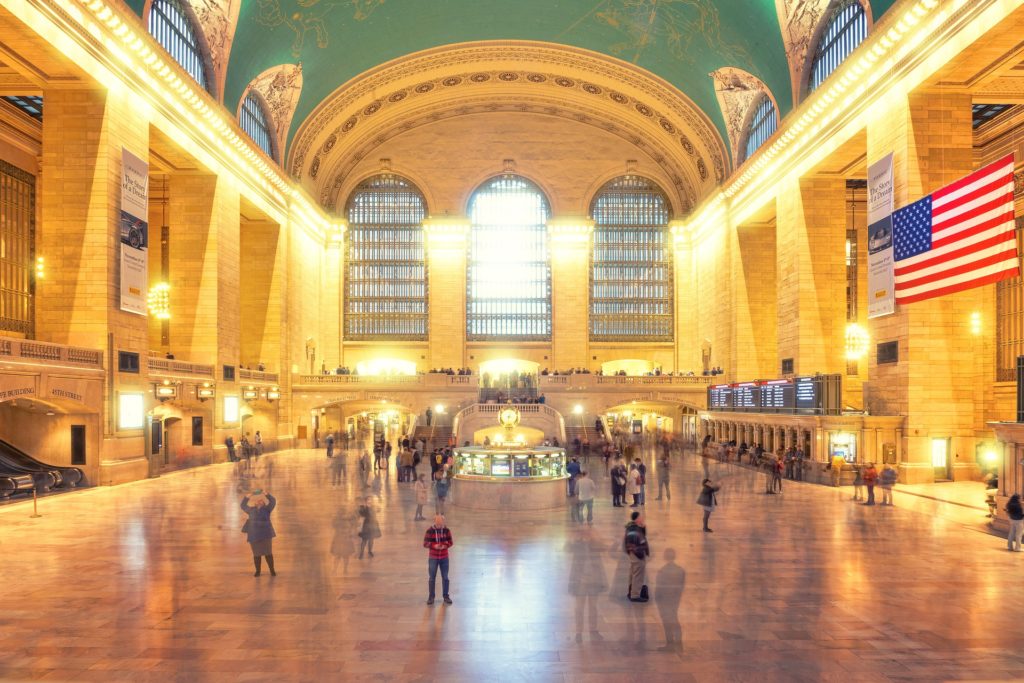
509, 417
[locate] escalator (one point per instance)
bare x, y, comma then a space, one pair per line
20, 472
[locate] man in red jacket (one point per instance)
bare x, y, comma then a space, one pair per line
437, 540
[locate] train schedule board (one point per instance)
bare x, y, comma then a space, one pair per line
778, 396
808, 395
720, 397
746, 396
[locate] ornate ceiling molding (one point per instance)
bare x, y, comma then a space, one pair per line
280, 87
738, 93
541, 77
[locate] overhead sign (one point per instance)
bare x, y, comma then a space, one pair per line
809, 395
134, 232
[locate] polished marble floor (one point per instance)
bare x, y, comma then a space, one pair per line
153, 582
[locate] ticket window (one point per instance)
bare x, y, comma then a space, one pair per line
844, 445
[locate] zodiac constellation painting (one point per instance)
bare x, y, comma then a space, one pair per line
684, 27
309, 16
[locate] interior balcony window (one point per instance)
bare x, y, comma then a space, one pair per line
846, 29
254, 121
171, 25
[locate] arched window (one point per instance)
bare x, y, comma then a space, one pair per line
509, 276
631, 270
385, 269
762, 126
169, 23
253, 119
846, 28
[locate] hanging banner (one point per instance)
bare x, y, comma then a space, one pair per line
881, 298
134, 232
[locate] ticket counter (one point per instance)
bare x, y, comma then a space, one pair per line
516, 478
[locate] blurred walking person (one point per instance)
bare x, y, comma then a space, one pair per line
887, 479
422, 497
1015, 511
870, 479
370, 529
258, 529
708, 500
342, 545
586, 489
637, 549
663, 466
619, 479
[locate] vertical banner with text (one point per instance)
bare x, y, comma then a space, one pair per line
134, 232
881, 297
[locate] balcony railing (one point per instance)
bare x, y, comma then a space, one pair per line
159, 366
257, 375
431, 380
50, 353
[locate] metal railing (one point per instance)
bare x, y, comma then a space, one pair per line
50, 353
257, 375
159, 366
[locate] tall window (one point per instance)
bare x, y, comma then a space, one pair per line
253, 120
385, 271
17, 250
762, 125
631, 274
509, 276
169, 23
846, 29
1010, 320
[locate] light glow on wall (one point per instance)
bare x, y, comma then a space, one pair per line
230, 409
857, 342
131, 410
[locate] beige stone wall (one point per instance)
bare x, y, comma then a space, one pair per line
755, 291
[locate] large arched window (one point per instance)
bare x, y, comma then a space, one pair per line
169, 23
631, 271
762, 126
509, 276
253, 120
846, 28
385, 269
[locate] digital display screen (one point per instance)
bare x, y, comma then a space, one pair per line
746, 396
500, 468
720, 397
778, 395
806, 394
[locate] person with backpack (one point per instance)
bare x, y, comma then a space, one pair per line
708, 501
638, 550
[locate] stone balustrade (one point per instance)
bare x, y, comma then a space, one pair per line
45, 353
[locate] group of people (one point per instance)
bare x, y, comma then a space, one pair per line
249, 449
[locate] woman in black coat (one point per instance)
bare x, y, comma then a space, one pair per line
258, 529
707, 500
618, 477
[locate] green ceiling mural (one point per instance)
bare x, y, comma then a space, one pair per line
681, 41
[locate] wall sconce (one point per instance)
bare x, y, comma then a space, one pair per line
856, 342
165, 391
159, 301
273, 394
250, 394
40, 268
206, 391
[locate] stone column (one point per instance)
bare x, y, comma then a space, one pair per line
687, 343
78, 302
811, 253
935, 382
570, 248
446, 275
755, 296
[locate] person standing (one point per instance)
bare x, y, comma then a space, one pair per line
258, 529
708, 500
230, 443
430, 416
870, 478
342, 547
370, 529
886, 480
364, 468
586, 489
421, 496
573, 469
1015, 511
619, 479
637, 549
258, 440
337, 466
641, 469
438, 539
837, 468
441, 489
330, 445
663, 488
633, 479
858, 484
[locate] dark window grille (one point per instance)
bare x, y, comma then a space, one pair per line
30, 104
1010, 319
983, 113
631, 268
253, 120
127, 361
762, 126
170, 25
386, 268
887, 352
846, 29
508, 271
17, 250
787, 366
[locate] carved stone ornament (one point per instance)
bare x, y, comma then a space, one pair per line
217, 20
280, 87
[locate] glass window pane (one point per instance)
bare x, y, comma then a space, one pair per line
846, 29
386, 269
631, 267
508, 272
17, 250
170, 25
253, 120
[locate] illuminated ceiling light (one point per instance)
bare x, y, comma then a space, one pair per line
857, 342
159, 301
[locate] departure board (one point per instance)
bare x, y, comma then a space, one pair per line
720, 397
777, 396
810, 395
746, 396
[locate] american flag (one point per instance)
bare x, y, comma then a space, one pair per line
957, 238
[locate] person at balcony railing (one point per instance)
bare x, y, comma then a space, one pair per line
261, 367
169, 356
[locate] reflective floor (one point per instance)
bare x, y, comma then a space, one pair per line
153, 581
